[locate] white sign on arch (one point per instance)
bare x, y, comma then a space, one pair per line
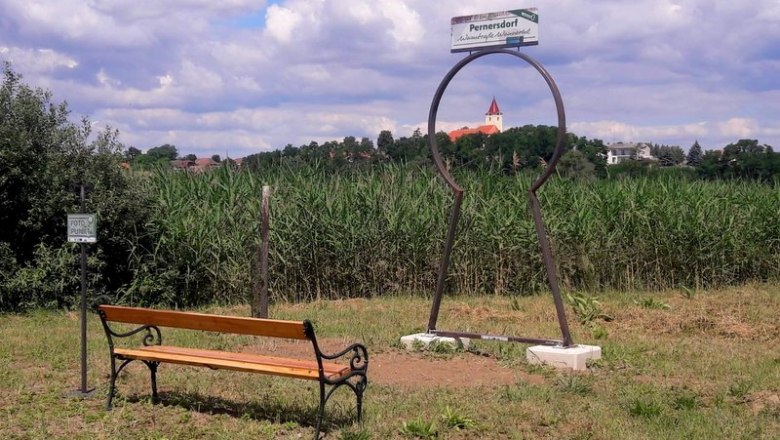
518, 27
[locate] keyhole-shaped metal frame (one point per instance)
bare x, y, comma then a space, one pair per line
541, 230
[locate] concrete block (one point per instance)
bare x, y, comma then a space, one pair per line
424, 340
575, 357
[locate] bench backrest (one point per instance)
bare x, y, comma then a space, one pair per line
202, 321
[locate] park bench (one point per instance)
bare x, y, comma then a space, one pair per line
152, 352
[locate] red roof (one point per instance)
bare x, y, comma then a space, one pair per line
493, 110
484, 129
205, 162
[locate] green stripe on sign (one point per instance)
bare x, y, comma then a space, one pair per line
525, 13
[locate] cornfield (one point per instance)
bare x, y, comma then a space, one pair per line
381, 231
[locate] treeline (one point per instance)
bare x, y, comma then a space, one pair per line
162, 156
527, 148
746, 159
508, 152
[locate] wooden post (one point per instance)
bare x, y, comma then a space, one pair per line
260, 280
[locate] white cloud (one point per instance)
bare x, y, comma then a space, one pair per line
200, 76
741, 128
613, 131
312, 73
202, 131
105, 80
405, 25
258, 75
166, 81
37, 60
281, 23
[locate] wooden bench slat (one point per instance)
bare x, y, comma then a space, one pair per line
220, 364
205, 322
331, 370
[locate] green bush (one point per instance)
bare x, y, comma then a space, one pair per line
44, 158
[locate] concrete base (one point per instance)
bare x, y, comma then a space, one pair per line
424, 340
575, 357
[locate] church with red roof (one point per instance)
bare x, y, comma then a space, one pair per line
494, 123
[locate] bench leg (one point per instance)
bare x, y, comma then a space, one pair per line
359, 394
112, 383
153, 372
358, 387
321, 412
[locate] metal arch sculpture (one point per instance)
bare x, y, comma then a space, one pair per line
541, 230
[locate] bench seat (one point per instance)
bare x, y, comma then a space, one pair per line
220, 360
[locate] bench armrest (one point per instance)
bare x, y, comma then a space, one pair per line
357, 376
357, 362
151, 337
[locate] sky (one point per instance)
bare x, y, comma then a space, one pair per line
237, 77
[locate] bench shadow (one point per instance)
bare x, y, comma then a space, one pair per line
274, 412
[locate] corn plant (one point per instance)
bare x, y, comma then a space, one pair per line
381, 231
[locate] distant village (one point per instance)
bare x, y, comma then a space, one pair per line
616, 152
201, 164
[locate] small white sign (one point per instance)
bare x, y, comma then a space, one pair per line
519, 27
82, 228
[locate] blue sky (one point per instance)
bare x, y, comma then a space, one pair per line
238, 77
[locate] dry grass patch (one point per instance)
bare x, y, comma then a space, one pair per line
701, 368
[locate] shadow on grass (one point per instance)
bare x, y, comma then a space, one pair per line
267, 410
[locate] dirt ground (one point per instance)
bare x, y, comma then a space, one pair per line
415, 369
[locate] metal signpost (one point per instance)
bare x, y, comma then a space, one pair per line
489, 34
82, 229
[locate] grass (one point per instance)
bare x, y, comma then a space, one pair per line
664, 374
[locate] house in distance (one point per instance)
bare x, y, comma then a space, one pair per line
494, 123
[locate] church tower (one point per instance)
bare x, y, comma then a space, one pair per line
494, 116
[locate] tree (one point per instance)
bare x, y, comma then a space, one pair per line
409, 149
216, 158
157, 157
290, 151
132, 153
385, 141
594, 150
29, 127
575, 165
527, 146
44, 159
749, 146
468, 151
748, 159
667, 155
165, 151
191, 157
744, 159
350, 145
695, 155
366, 145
